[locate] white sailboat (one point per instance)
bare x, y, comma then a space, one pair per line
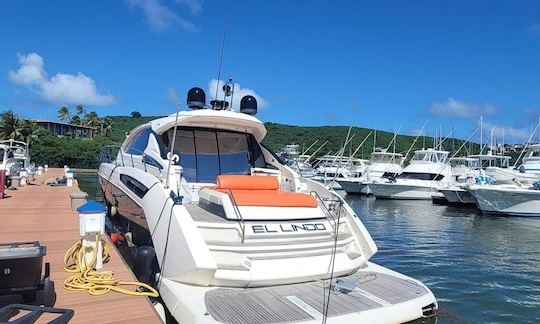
240, 237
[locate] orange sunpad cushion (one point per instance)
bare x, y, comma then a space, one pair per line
247, 182
271, 198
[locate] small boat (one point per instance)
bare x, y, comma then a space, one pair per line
421, 179
382, 165
464, 171
509, 200
14, 157
332, 168
240, 237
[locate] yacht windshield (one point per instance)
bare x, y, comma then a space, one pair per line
420, 176
205, 153
385, 158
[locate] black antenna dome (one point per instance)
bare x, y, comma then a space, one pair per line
248, 105
196, 98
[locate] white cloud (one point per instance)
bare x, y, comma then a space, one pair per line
239, 93
61, 88
160, 17
194, 5
460, 109
510, 133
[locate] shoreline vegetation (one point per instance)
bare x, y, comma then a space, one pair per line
57, 151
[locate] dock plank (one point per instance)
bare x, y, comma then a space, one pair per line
38, 212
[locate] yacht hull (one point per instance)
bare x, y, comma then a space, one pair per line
401, 299
402, 191
354, 187
458, 196
507, 201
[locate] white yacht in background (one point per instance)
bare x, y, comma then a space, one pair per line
291, 156
331, 168
240, 237
509, 200
498, 167
14, 156
531, 160
382, 165
421, 179
464, 171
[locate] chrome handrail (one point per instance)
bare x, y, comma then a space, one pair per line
325, 209
238, 215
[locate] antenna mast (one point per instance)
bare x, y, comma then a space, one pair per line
221, 59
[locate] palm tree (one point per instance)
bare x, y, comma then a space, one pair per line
91, 119
27, 128
106, 127
76, 120
10, 126
80, 110
63, 114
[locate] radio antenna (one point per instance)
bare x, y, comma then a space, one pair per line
221, 58
171, 152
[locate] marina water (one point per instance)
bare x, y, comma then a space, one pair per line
480, 268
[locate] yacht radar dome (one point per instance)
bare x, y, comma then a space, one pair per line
196, 98
248, 105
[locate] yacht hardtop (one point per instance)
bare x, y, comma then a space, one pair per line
239, 236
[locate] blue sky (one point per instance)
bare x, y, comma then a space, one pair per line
379, 63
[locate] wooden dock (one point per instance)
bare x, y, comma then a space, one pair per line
38, 212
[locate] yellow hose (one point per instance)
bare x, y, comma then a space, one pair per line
96, 282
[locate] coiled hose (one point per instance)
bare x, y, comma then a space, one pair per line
97, 282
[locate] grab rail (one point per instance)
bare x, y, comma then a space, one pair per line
327, 211
238, 215
111, 153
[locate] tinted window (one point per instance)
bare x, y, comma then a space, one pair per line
233, 153
185, 148
134, 185
139, 143
421, 176
1, 156
205, 154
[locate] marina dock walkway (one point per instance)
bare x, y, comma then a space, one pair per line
38, 212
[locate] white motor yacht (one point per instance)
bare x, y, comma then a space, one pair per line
510, 200
464, 171
498, 167
331, 169
240, 237
421, 179
14, 156
382, 165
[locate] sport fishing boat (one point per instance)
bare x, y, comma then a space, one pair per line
331, 168
421, 179
464, 171
382, 165
498, 167
240, 237
509, 200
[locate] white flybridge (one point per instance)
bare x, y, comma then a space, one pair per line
421, 179
241, 238
383, 165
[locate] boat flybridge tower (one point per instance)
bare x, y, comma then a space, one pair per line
238, 235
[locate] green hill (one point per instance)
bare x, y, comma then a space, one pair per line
280, 135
